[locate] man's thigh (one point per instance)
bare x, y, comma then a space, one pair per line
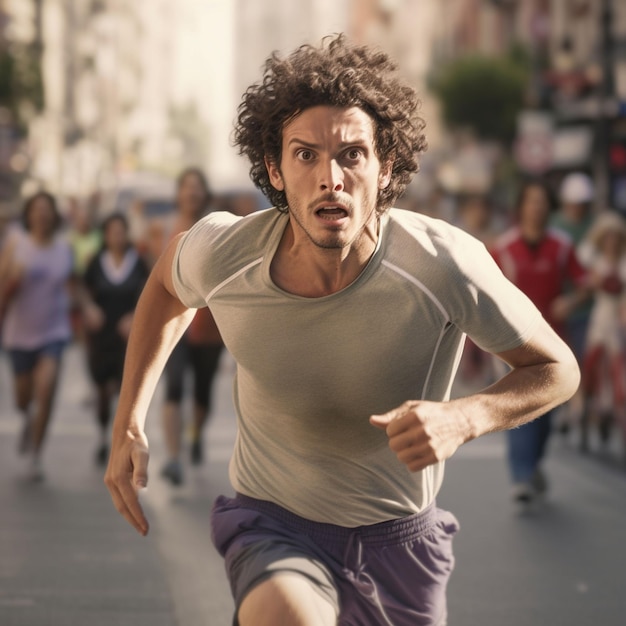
286, 598
268, 563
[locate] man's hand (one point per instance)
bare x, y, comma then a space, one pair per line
159, 322
423, 433
544, 374
126, 475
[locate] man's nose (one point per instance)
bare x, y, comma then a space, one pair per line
331, 176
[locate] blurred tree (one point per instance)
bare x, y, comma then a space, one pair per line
21, 82
484, 93
21, 86
6, 78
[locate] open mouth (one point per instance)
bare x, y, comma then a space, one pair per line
332, 213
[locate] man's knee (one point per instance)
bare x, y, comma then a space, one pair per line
286, 600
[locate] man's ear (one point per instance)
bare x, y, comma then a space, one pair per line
384, 177
276, 177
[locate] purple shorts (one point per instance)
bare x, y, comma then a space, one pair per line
392, 573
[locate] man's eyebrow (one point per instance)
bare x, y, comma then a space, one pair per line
302, 142
357, 141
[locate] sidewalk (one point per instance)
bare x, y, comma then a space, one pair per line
66, 556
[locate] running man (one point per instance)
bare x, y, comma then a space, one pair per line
346, 318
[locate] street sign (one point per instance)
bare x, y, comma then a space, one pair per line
533, 147
533, 153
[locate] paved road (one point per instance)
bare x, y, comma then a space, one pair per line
66, 558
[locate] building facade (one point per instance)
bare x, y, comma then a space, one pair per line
153, 85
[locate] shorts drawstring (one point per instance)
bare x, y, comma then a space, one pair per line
354, 569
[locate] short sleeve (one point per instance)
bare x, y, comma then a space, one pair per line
192, 259
486, 305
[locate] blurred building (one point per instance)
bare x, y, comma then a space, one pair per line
576, 97
19, 94
134, 86
153, 85
576, 115
130, 86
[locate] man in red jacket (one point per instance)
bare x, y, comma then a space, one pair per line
542, 262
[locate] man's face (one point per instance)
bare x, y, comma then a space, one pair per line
330, 174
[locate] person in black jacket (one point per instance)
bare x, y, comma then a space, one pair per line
113, 281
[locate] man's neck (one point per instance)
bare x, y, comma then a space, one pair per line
302, 268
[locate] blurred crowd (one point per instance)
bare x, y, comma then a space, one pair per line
76, 275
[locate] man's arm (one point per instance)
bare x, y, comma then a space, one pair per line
544, 374
159, 322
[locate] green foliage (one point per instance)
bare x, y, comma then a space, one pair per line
6, 78
483, 93
21, 86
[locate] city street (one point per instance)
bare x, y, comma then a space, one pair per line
68, 559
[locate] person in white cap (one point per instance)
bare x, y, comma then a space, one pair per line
576, 195
575, 217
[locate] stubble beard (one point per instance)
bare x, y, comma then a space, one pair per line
334, 241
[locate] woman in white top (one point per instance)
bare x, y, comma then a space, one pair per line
604, 363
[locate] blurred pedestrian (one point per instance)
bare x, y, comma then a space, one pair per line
346, 318
84, 237
604, 371
574, 217
199, 349
85, 241
475, 216
542, 262
38, 268
112, 282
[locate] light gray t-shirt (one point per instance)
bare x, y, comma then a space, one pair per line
310, 371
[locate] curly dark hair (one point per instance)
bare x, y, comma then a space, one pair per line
333, 74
